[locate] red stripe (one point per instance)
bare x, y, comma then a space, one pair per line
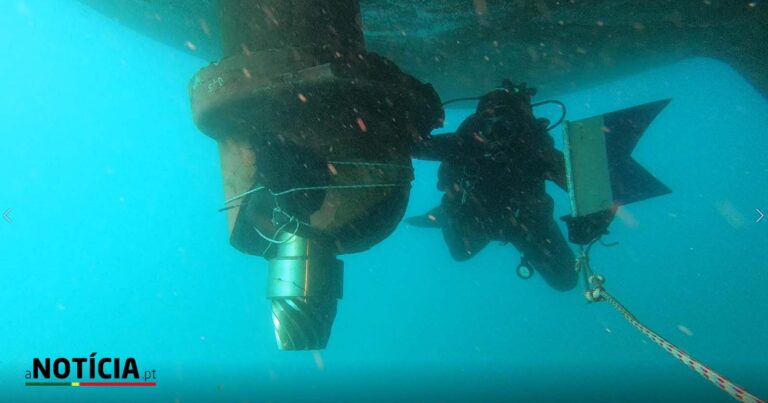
118, 384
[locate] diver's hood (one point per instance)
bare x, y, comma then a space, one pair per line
504, 114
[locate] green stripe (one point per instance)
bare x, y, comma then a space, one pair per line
48, 384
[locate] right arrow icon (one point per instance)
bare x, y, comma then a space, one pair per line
760, 215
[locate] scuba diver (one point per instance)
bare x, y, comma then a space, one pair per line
493, 172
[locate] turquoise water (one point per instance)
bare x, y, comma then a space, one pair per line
116, 247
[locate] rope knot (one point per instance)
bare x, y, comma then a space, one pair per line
596, 280
594, 295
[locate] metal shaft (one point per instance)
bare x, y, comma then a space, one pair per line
304, 283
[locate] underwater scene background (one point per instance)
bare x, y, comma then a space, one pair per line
116, 247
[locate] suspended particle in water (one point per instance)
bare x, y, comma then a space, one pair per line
204, 26
361, 125
318, 360
684, 330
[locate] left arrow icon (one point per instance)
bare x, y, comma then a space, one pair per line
7, 215
760, 214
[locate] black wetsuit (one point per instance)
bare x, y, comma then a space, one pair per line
493, 173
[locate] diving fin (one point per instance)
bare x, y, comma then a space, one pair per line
432, 219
